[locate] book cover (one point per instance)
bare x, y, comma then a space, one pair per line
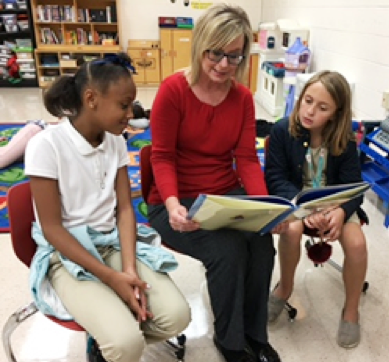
263, 213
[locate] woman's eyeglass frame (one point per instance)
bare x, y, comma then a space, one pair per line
216, 56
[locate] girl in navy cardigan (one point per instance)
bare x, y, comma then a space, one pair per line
315, 147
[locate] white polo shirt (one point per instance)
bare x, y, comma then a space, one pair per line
86, 175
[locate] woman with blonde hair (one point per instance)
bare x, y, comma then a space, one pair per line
203, 141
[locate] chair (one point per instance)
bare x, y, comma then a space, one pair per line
21, 215
319, 253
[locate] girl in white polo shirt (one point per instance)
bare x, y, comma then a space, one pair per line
79, 183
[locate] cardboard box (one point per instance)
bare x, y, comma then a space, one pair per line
68, 63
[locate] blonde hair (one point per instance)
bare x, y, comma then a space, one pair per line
216, 28
338, 131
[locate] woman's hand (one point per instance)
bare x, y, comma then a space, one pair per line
178, 216
132, 290
178, 220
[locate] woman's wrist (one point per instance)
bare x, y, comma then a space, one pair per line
171, 203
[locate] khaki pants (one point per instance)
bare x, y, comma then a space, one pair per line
104, 315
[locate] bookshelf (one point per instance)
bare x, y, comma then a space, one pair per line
17, 42
68, 31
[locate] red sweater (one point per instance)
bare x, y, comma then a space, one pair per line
194, 144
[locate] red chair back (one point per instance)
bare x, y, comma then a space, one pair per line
146, 171
21, 216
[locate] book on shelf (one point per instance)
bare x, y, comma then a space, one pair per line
262, 213
55, 13
68, 13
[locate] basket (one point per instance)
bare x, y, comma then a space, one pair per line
276, 69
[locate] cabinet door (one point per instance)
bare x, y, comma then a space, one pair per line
254, 60
152, 69
139, 64
182, 43
166, 53
251, 75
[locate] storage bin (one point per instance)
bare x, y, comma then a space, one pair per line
72, 63
276, 69
167, 22
186, 23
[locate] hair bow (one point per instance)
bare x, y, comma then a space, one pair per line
116, 60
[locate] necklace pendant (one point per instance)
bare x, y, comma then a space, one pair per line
102, 185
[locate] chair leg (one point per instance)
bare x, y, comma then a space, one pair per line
292, 311
178, 345
12, 323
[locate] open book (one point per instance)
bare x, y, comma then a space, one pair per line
263, 213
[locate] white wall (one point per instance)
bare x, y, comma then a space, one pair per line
139, 18
350, 36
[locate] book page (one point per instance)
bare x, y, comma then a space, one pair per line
233, 212
329, 196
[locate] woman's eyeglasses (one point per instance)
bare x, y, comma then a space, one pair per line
217, 55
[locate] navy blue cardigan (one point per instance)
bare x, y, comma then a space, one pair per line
285, 159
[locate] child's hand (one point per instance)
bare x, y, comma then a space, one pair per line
318, 221
131, 289
140, 295
335, 218
280, 228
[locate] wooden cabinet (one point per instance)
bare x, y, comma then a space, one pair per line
145, 55
253, 72
175, 50
251, 77
70, 29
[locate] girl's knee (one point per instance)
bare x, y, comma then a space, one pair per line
293, 235
354, 245
125, 348
358, 248
177, 317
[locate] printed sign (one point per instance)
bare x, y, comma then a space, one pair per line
199, 5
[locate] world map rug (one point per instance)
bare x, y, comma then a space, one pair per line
136, 140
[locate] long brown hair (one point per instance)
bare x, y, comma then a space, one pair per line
338, 132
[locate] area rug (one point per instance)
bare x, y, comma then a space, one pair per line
8, 176
136, 140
